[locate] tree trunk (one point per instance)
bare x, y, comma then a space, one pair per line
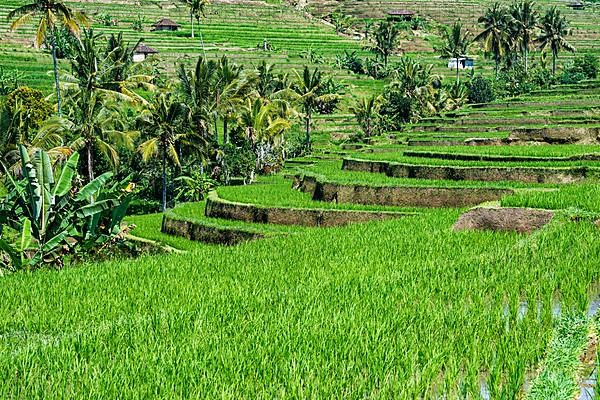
164, 178
554, 56
307, 121
457, 72
225, 129
90, 161
526, 59
497, 66
56, 83
192, 21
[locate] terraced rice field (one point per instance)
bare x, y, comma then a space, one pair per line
403, 307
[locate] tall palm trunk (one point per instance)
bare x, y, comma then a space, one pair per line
497, 65
192, 21
457, 72
55, 62
554, 56
307, 121
164, 177
90, 160
225, 129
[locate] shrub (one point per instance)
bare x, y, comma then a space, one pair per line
586, 65
234, 161
480, 90
32, 100
395, 110
9, 80
53, 217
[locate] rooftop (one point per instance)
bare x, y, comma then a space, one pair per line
401, 12
166, 22
141, 48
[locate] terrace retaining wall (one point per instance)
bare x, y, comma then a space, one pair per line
397, 195
455, 173
556, 135
205, 233
503, 219
500, 158
219, 208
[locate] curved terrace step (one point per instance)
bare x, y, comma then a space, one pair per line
312, 217
499, 158
403, 196
459, 173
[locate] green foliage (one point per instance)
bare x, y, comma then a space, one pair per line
138, 23
367, 113
235, 162
10, 80
53, 216
107, 20
38, 109
385, 39
481, 90
581, 68
193, 187
66, 43
350, 61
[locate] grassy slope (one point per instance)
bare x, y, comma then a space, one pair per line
387, 309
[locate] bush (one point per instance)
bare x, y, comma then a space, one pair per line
395, 110
586, 65
54, 217
32, 100
234, 161
480, 90
570, 77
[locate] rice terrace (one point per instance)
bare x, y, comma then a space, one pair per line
299, 199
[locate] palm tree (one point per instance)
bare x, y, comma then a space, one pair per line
366, 110
554, 28
495, 37
100, 79
98, 126
197, 8
162, 121
264, 127
386, 39
231, 87
308, 91
456, 44
52, 15
198, 91
524, 20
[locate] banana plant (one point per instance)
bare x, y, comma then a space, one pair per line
52, 215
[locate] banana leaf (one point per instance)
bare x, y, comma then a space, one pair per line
93, 187
65, 181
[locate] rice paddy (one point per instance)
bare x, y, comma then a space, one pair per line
397, 309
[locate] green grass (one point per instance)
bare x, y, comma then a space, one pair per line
331, 171
275, 191
581, 196
558, 378
398, 157
396, 309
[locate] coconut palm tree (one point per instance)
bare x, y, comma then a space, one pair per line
264, 128
197, 88
98, 127
456, 44
386, 37
524, 22
366, 110
51, 15
162, 122
197, 10
495, 35
554, 29
308, 92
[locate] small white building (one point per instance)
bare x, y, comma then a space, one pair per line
141, 52
463, 63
